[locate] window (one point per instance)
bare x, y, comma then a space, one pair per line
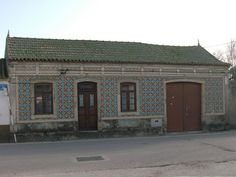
91, 100
81, 100
128, 97
43, 98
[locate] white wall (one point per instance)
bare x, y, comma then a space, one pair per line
4, 104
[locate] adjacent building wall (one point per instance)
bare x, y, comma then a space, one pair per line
232, 104
4, 112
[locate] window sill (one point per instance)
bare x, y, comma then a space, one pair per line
133, 117
128, 113
43, 116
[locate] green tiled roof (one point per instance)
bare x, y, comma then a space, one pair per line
33, 49
3, 69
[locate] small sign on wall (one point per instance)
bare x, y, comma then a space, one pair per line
156, 122
3, 88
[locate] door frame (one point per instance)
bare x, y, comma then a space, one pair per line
76, 111
202, 85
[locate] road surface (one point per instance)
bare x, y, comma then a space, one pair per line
202, 154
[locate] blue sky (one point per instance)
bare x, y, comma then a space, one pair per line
167, 22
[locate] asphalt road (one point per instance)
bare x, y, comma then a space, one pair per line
202, 154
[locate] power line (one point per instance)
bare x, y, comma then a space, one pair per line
222, 44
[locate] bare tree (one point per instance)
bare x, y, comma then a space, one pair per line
228, 55
231, 52
220, 55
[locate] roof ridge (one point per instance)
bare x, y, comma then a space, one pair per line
113, 41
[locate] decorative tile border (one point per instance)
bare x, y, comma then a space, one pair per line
24, 100
65, 97
214, 95
152, 96
109, 92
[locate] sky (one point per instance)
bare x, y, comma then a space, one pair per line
164, 22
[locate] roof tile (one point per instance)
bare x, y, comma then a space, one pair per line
106, 51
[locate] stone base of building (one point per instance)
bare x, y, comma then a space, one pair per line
215, 123
44, 127
57, 131
74, 135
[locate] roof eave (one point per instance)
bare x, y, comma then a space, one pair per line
117, 62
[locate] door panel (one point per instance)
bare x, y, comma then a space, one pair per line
192, 100
87, 106
82, 111
175, 107
92, 111
183, 107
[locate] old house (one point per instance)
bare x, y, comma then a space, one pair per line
4, 103
84, 85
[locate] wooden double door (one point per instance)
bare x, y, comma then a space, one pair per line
87, 106
183, 106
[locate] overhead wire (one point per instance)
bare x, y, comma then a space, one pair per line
216, 45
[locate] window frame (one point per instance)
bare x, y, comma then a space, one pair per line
43, 93
122, 84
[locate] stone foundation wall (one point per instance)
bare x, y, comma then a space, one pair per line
215, 123
46, 127
55, 131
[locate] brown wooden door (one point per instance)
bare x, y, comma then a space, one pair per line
183, 107
87, 105
192, 106
175, 107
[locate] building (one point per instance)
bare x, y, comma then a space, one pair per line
4, 104
84, 85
